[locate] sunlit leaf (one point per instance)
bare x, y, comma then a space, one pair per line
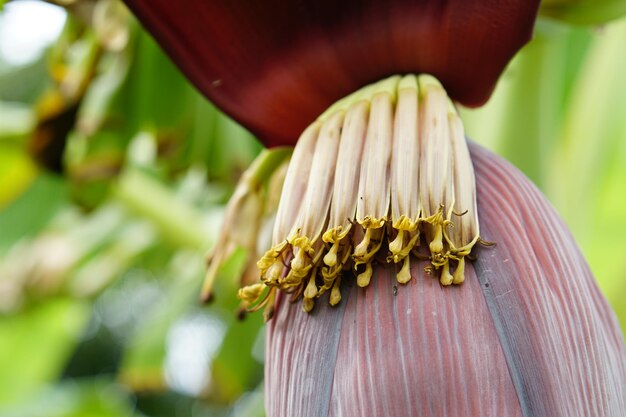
151, 199
98, 397
585, 12
17, 172
35, 345
592, 132
26, 216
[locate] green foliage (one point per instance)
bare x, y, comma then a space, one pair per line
24, 217
99, 397
36, 345
101, 262
584, 12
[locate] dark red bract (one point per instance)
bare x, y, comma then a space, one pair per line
527, 335
276, 65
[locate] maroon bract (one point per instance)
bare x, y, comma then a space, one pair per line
528, 334
274, 66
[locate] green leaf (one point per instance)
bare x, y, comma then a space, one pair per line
175, 218
156, 93
97, 397
584, 12
32, 210
590, 136
235, 367
35, 345
17, 173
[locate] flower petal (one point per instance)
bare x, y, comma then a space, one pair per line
275, 66
562, 342
528, 334
379, 354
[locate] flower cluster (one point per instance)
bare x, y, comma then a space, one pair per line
380, 172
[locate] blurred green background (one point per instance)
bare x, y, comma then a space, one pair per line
114, 173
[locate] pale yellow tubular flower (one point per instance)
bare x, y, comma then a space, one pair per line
464, 233
345, 194
250, 275
216, 258
250, 217
296, 182
241, 223
305, 238
274, 191
271, 264
265, 237
243, 215
374, 191
264, 233
379, 169
405, 204
435, 176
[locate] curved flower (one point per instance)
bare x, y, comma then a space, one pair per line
276, 65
